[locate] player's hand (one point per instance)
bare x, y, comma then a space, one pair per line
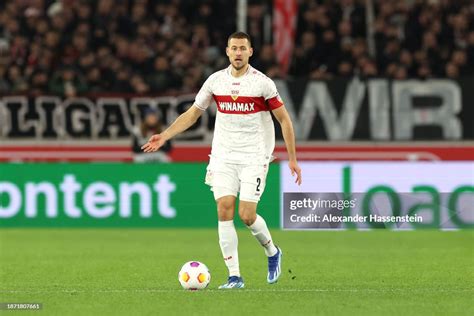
154, 143
295, 169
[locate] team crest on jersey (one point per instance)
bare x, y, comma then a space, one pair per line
234, 94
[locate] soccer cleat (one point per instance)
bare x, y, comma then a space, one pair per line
274, 267
234, 282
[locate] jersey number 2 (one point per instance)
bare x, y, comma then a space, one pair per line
258, 184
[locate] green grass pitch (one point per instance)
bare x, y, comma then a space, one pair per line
134, 272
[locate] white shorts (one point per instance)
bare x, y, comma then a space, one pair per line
230, 179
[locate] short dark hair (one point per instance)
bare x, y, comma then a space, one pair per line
240, 35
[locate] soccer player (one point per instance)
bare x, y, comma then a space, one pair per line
244, 139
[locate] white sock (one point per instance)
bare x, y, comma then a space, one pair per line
260, 230
228, 242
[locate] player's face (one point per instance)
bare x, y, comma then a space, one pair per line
239, 51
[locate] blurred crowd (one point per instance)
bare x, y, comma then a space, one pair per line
68, 47
412, 39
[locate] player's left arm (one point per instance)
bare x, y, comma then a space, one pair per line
284, 119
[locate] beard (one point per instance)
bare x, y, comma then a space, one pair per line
236, 67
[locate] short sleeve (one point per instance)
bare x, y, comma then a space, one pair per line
204, 96
272, 98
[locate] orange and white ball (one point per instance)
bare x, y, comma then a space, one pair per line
194, 275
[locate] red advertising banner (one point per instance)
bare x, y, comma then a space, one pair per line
185, 152
285, 13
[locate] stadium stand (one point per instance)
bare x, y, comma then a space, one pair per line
71, 47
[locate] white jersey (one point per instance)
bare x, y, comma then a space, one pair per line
244, 131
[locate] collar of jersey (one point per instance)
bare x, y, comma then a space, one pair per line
229, 69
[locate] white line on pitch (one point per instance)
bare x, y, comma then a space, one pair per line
235, 291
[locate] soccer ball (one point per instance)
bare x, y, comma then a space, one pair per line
194, 275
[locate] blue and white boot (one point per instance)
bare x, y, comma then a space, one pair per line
234, 282
274, 267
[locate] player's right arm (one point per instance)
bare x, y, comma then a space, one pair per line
185, 120
182, 123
